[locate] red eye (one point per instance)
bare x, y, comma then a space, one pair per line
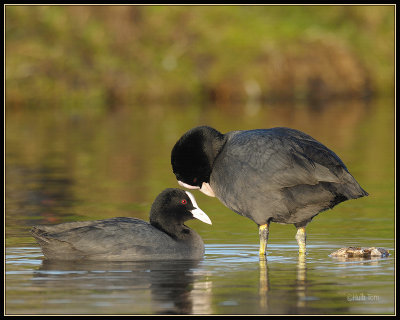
183, 201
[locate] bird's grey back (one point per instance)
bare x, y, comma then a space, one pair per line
283, 168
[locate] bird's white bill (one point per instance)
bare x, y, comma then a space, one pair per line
201, 215
197, 212
187, 186
206, 189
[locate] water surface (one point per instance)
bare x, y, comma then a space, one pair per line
230, 280
68, 167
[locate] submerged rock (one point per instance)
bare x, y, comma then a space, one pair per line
357, 252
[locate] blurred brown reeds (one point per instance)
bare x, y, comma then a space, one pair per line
107, 57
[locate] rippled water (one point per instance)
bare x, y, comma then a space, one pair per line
230, 280
72, 168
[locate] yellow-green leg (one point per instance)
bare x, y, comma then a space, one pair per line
301, 239
263, 231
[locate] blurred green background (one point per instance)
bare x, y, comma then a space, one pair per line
101, 58
96, 97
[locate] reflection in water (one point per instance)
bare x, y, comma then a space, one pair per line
299, 287
201, 297
301, 281
43, 194
229, 280
362, 260
173, 285
264, 285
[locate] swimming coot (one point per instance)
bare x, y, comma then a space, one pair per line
268, 175
130, 239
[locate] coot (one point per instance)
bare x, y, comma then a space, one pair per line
130, 239
268, 175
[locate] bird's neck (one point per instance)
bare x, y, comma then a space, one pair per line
212, 148
177, 231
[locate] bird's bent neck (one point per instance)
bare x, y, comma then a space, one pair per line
213, 145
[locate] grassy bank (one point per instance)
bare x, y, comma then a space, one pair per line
105, 57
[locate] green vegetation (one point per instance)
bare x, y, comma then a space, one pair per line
105, 57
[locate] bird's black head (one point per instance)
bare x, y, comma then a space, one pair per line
173, 207
194, 153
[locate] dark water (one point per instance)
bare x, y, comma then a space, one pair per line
67, 167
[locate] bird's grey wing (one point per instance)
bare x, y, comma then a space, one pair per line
286, 158
109, 236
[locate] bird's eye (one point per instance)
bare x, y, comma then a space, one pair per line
183, 201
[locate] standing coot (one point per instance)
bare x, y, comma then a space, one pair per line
268, 175
130, 239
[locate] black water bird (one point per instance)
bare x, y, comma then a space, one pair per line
130, 239
267, 175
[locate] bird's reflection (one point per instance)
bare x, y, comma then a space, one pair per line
300, 285
171, 283
301, 281
361, 260
264, 284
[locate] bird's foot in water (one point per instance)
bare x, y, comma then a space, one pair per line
302, 250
